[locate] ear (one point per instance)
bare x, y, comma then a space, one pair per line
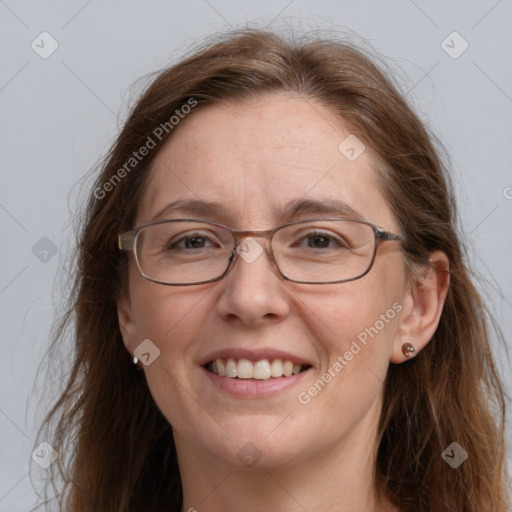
126, 323
422, 307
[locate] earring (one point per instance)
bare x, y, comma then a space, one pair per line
407, 349
135, 358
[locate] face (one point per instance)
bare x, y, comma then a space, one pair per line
255, 159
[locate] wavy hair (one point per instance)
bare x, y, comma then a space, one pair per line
117, 449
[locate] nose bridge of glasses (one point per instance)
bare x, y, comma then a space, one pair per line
244, 245
240, 235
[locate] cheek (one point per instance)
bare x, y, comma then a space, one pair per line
343, 313
173, 320
170, 317
353, 325
354, 335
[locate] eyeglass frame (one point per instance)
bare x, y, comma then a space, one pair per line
127, 241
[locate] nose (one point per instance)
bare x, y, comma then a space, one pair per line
253, 291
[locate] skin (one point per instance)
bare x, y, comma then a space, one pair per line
318, 456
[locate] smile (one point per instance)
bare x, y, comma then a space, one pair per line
262, 369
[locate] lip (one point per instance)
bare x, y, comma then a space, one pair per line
252, 388
253, 355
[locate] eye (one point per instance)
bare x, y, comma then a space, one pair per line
321, 240
191, 241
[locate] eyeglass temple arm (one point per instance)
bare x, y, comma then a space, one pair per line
386, 235
125, 241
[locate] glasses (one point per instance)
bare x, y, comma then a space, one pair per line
181, 252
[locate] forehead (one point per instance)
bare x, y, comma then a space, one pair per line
256, 158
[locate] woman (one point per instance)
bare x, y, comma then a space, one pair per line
272, 242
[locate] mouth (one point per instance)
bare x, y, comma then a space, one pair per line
261, 369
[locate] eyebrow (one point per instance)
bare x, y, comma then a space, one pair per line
295, 208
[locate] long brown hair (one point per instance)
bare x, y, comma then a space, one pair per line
116, 449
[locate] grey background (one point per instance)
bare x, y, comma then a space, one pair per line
59, 115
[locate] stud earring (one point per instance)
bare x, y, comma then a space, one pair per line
408, 349
135, 358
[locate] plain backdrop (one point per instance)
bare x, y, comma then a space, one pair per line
59, 114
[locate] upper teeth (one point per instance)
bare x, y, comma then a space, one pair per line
246, 369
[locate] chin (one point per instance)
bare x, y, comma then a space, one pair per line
260, 443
